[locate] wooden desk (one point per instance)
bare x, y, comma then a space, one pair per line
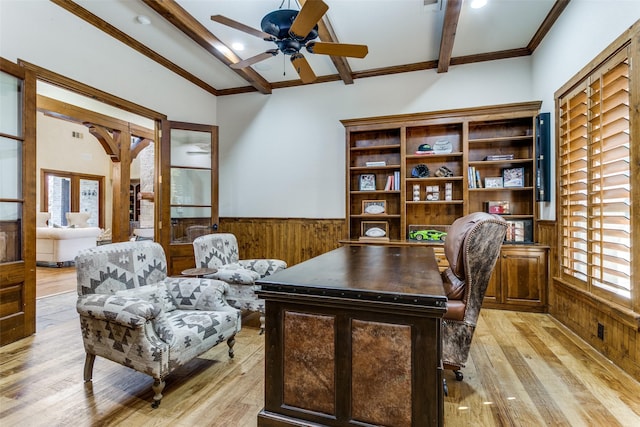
353, 338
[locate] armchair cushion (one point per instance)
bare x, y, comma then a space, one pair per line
236, 274
128, 312
156, 293
264, 267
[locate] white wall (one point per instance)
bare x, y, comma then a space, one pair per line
585, 28
283, 155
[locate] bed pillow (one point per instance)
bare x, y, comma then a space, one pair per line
42, 218
78, 219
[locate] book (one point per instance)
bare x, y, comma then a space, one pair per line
381, 163
478, 179
396, 180
389, 185
500, 157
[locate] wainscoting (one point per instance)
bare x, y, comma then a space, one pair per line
293, 240
582, 313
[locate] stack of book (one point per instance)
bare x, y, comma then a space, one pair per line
474, 178
393, 182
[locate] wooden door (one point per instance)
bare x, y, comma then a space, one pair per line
524, 270
17, 202
189, 192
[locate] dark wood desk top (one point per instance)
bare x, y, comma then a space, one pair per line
399, 275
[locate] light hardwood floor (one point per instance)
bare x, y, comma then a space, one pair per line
525, 369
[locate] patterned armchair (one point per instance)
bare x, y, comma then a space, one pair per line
472, 248
220, 251
133, 314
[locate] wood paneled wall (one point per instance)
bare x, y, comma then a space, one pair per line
293, 240
582, 313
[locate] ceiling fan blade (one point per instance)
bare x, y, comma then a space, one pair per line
240, 26
338, 49
303, 68
252, 60
312, 11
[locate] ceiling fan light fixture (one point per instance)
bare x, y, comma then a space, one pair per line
144, 20
477, 4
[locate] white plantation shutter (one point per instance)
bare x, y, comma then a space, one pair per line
595, 181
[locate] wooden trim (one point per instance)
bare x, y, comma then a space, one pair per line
75, 185
618, 44
515, 108
59, 80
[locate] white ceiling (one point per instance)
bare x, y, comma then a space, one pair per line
397, 32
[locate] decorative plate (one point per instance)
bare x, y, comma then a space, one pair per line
374, 209
375, 232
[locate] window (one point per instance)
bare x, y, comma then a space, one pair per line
69, 192
596, 180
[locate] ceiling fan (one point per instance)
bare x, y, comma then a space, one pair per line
292, 30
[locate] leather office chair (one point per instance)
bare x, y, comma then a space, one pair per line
472, 248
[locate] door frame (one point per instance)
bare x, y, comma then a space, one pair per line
180, 256
18, 278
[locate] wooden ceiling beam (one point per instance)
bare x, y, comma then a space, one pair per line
449, 27
326, 34
546, 25
175, 14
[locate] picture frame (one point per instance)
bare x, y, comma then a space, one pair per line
374, 230
499, 207
374, 207
493, 182
513, 177
519, 231
367, 182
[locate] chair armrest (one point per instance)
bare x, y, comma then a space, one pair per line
199, 294
126, 311
235, 274
263, 266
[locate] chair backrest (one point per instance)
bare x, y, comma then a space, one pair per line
110, 268
472, 247
215, 250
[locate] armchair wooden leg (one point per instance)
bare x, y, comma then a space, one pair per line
88, 367
231, 342
158, 386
